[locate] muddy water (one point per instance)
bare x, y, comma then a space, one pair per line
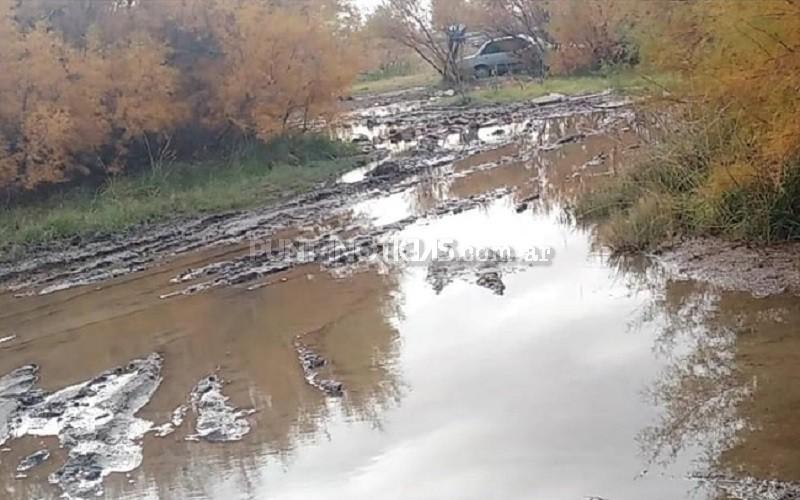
574, 376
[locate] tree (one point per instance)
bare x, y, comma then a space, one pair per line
740, 59
96, 87
519, 17
296, 69
412, 24
384, 55
590, 34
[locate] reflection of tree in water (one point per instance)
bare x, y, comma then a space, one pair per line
725, 389
362, 346
432, 189
576, 167
700, 389
521, 165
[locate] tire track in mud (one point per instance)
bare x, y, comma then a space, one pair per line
440, 136
96, 422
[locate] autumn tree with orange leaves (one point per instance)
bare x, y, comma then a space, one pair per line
729, 164
92, 88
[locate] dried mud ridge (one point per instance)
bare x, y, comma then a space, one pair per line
33, 460
96, 423
332, 250
81, 263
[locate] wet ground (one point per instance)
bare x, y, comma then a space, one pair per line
432, 325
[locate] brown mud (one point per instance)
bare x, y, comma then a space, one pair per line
761, 270
438, 137
304, 350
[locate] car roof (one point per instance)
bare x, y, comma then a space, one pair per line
520, 36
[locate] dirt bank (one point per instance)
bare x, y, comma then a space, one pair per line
761, 270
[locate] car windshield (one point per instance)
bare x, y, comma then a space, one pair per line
504, 45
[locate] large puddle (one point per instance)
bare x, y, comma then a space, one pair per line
568, 376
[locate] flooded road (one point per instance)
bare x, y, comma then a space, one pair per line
215, 364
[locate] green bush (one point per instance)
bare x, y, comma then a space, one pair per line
677, 190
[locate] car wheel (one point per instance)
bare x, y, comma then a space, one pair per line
483, 72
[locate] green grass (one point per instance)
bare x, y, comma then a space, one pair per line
503, 90
424, 78
702, 180
396, 70
256, 175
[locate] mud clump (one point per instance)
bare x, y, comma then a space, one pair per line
526, 203
217, 420
440, 277
493, 281
312, 363
94, 420
386, 169
33, 460
486, 272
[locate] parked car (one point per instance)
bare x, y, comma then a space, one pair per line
504, 55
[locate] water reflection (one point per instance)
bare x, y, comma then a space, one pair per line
590, 377
532, 166
247, 336
727, 392
527, 395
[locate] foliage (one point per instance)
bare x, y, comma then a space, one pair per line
385, 57
580, 36
731, 166
257, 173
590, 35
423, 28
93, 88
518, 17
743, 58
684, 186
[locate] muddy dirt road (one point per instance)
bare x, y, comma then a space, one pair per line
431, 326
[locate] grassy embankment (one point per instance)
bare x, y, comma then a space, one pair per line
699, 181
507, 89
406, 78
262, 174
504, 90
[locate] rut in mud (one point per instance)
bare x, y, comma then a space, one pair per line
408, 149
433, 138
304, 352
